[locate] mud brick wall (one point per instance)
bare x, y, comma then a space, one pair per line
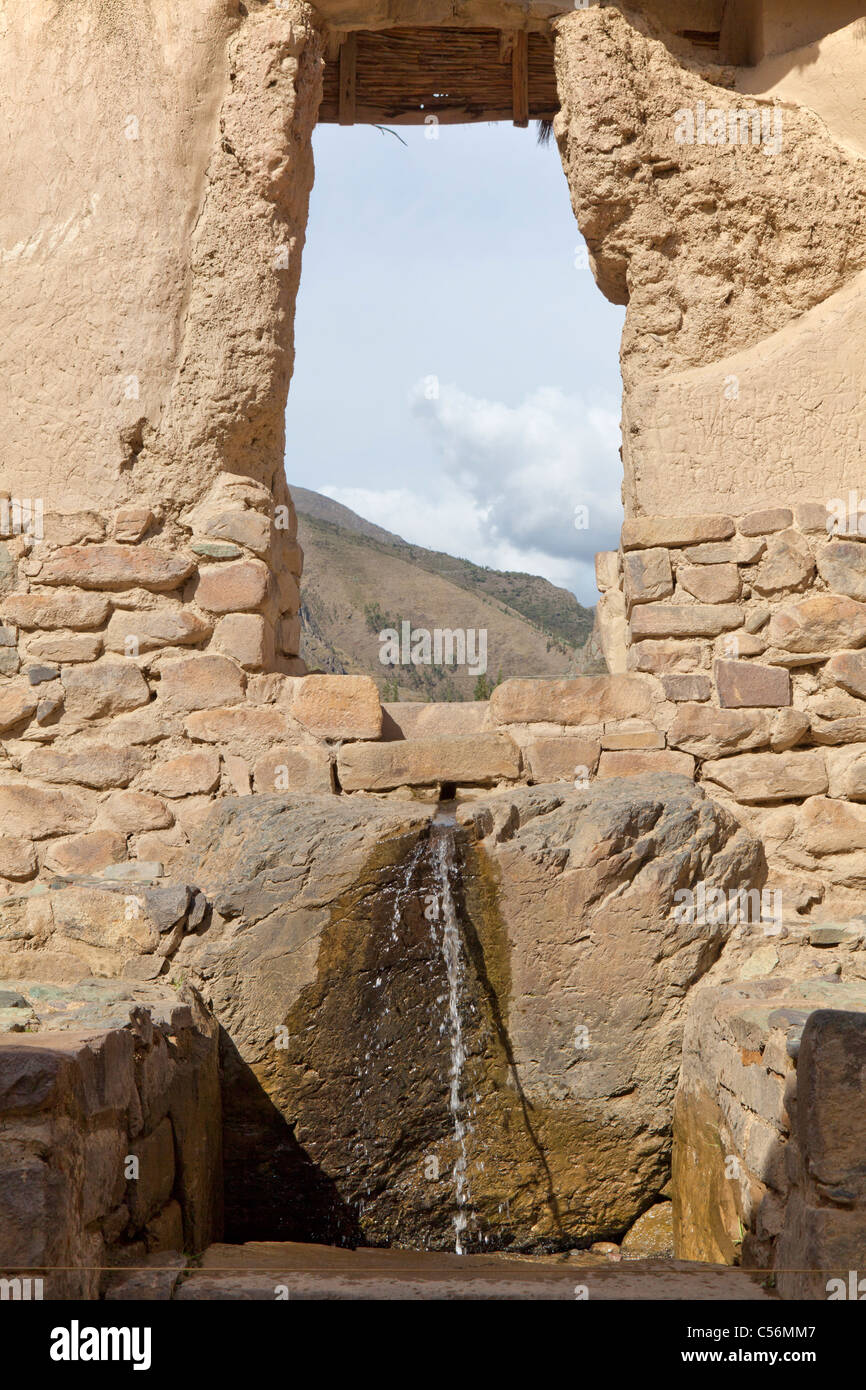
77, 1105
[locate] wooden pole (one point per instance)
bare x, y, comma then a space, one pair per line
348, 72
520, 79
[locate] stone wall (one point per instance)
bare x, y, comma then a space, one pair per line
148, 560
767, 1159
111, 1130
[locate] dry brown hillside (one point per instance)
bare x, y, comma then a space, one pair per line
359, 582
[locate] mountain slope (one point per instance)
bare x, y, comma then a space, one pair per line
360, 580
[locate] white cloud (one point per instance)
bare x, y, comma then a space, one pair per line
511, 480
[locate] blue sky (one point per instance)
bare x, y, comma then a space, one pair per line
456, 374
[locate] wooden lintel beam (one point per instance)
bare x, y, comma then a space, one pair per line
520, 78
348, 71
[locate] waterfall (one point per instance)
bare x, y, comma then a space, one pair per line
441, 908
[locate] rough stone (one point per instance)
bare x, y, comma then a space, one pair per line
36, 812
582, 942
232, 587
756, 778
584, 700
664, 656
244, 636
687, 687
17, 857
466, 760
746, 683
821, 624
711, 583
17, 703
117, 567
95, 765
186, 775
49, 611
684, 620
788, 565
146, 630
338, 707
842, 566
104, 687
293, 769
641, 533
661, 762
848, 669
647, 575
568, 758
200, 681
763, 522
85, 854
132, 812
65, 647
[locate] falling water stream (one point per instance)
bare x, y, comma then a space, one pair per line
452, 955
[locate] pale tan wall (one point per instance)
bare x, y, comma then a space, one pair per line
743, 349
147, 318
95, 228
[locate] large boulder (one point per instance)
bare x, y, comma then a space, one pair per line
469, 1031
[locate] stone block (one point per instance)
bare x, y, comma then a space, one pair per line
842, 566
294, 769
824, 623
568, 758
848, 669
65, 647
248, 528
762, 522
84, 854
50, 611
200, 681
234, 587
739, 551
664, 656
36, 812
582, 700
132, 523
628, 734
247, 638
96, 765
746, 683
607, 570
17, 857
104, 687
132, 812
681, 687
788, 565
141, 630
17, 704
641, 533
764, 778
117, 567
338, 707
189, 774
711, 583
833, 827
241, 726
647, 575
471, 760
661, 762
684, 620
